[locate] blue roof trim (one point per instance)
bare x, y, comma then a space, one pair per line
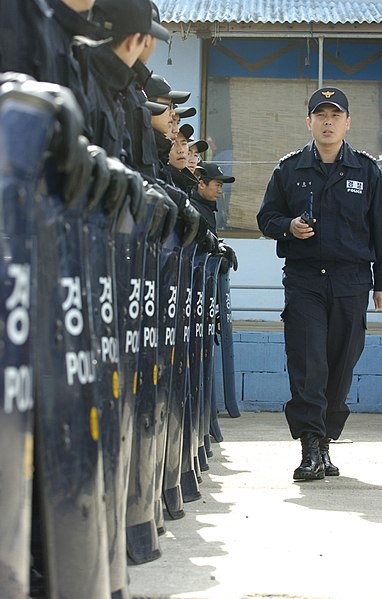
270, 11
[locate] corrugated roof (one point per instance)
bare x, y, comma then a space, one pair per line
271, 11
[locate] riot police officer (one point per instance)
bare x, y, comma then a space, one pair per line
130, 28
36, 38
210, 186
323, 205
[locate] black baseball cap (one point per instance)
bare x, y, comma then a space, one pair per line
125, 17
185, 112
214, 171
156, 108
328, 95
158, 87
156, 26
201, 144
187, 130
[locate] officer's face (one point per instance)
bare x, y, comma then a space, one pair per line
210, 191
163, 122
174, 127
178, 153
328, 125
193, 158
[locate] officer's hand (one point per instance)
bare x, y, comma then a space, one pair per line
177, 195
188, 214
208, 242
165, 208
100, 175
377, 297
300, 229
77, 179
71, 122
69, 146
171, 217
137, 192
229, 255
117, 189
191, 219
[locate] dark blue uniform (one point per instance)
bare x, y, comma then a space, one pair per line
207, 209
139, 130
109, 78
327, 277
36, 38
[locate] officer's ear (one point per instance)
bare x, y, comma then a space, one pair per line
131, 42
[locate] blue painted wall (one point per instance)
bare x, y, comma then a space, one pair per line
261, 376
295, 58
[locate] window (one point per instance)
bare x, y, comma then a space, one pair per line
257, 94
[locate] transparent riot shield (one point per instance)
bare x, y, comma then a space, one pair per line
26, 127
172, 492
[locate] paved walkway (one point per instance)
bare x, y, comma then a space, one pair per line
257, 534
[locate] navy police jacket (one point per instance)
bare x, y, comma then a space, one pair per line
108, 80
206, 208
346, 202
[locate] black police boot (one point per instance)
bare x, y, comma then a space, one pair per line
330, 469
312, 466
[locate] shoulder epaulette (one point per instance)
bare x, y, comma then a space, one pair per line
366, 154
290, 155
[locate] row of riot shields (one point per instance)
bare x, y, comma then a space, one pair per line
107, 335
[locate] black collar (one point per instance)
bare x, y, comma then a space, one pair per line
72, 22
112, 71
309, 156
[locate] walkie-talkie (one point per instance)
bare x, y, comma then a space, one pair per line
307, 216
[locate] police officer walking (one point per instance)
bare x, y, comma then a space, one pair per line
323, 205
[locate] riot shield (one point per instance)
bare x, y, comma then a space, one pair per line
99, 234
195, 374
172, 492
212, 269
68, 445
26, 128
214, 421
224, 300
170, 261
141, 530
129, 265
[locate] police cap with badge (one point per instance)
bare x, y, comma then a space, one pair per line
328, 95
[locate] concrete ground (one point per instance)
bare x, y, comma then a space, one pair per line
257, 534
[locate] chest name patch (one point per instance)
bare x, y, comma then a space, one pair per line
354, 186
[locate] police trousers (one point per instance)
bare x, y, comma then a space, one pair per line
324, 338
